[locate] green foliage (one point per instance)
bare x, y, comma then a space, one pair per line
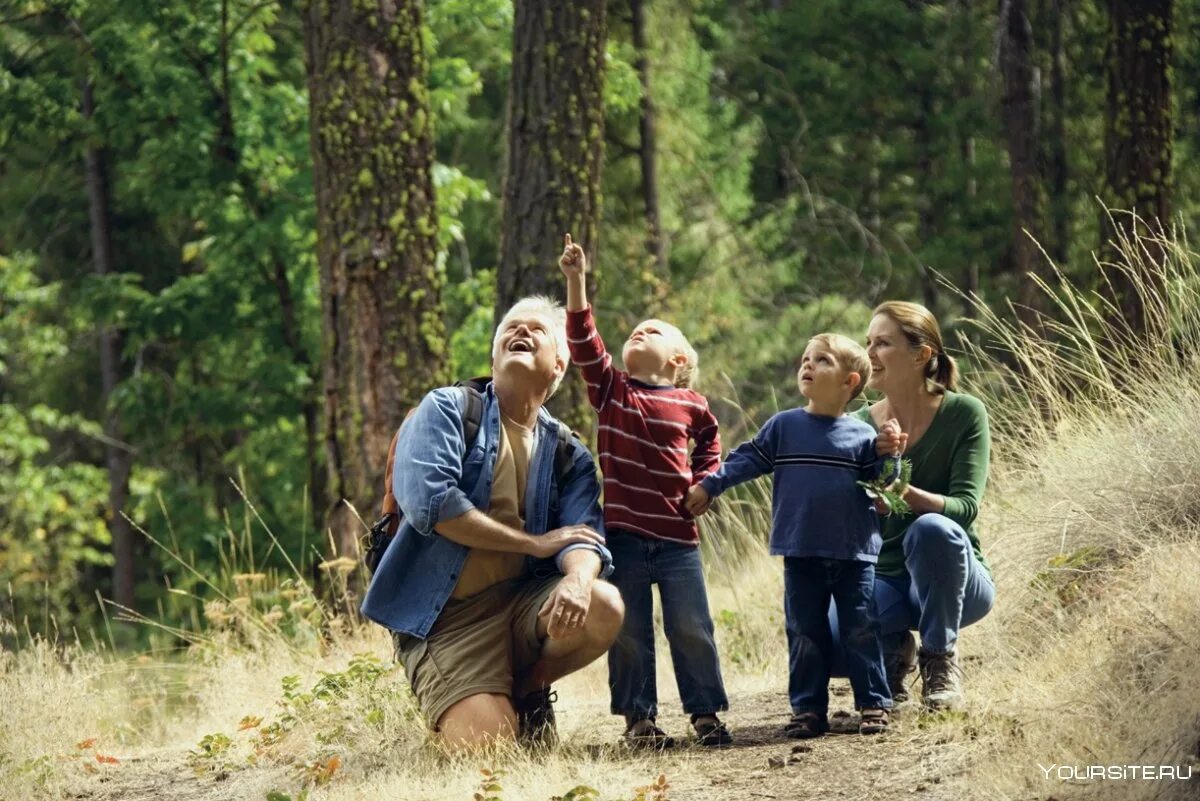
813, 158
890, 485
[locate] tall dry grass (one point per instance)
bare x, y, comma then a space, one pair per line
1093, 529
1091, 525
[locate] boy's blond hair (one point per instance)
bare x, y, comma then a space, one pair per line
850, 355
687, 374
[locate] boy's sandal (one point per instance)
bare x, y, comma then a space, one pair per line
711, 731
645, 735
806, 724
874, 721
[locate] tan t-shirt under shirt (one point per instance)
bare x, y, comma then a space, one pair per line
484, 568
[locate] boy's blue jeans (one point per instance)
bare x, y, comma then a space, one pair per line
639, 562
809, 583
946, 588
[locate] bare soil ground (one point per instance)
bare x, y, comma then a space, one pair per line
920, 757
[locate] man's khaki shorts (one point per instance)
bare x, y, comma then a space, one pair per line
476, 645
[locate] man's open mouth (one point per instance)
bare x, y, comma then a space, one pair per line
520, 346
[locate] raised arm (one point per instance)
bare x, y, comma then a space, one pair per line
587, 348
573, 264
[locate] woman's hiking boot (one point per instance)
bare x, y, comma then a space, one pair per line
535, 718
711, 731
644, 735
899, 661
941, 680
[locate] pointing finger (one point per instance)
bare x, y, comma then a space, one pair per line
567, 243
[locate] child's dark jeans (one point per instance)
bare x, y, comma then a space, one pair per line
639, 562
808, 583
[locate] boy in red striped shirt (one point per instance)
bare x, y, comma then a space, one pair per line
648, 415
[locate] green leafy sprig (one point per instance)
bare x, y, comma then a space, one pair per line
890, 485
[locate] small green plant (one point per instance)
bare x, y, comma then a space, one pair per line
489, 785
579, 793
210, 753
1070, 576
655, 791
889, 487
279, 795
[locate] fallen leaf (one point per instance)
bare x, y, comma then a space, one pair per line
107, 760
83, 745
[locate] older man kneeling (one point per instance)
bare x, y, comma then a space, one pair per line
490, 587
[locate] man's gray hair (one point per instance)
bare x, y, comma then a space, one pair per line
556, 318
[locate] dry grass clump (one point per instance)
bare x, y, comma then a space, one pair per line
1092, 526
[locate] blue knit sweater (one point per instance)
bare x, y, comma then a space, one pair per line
817, 508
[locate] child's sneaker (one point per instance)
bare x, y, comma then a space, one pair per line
711, 731
874, 721
806, 724
645, 735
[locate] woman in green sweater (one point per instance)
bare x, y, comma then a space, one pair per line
931, 574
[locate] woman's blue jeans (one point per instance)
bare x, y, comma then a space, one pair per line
946, 588
639, 562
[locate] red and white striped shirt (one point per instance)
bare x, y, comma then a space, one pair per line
643, 441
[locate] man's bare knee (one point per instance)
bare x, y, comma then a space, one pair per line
605, 613
478, 721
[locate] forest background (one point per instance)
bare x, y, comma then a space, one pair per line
188, 307
240, 238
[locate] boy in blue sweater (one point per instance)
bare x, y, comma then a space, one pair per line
825, 528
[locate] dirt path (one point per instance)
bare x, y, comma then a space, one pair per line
907, 762
918, 758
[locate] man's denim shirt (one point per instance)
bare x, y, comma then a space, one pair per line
433, 482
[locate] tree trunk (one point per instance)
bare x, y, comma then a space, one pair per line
1056, 166
555, 153
1018, 110
926, 181
1138, 136
384, 341
649, 143
118, 457
310, 409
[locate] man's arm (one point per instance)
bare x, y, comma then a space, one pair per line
579, 505
430, 450
474, 529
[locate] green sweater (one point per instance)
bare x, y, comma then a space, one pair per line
951, 459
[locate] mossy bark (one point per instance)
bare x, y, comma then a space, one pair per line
1138, 134
555, 153
384, 340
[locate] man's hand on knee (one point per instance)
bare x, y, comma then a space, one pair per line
566, 609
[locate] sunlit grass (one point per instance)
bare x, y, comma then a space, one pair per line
1090, 523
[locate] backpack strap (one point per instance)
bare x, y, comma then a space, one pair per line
472, 412
564, 452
